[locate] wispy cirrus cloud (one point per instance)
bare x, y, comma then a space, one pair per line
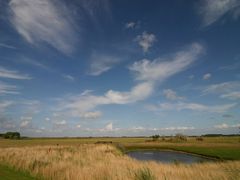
4, 105
3, 45
12, 74
43, 21
6, 88
147, 73
212, 11
68, 77
162, 68
101, 63
226, 126
220, 88
235, 95
191, 106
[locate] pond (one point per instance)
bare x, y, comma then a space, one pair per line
167, 156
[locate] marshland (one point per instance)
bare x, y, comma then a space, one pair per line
106, 158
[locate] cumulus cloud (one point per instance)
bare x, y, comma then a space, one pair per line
172, 95
226, 126
212, 11
43, 21
101, 63
191, 106
146, 41
207, 76
12, 74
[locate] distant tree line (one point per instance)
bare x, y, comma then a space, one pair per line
11, 135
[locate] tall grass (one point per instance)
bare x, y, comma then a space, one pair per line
90, 162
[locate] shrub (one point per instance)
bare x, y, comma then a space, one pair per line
155, 137
181, 137
144, 174
199, 138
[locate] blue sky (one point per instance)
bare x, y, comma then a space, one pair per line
116, 68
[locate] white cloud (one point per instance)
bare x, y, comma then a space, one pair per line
26, 121
226, 126
4, 105
232, 95
91, 115
101, 63
213, 10
139, 92
7, 89
78, 126
7, 46
225, 87
149, 73
47, 119
34, 63
43, 21
146, 40
68, 77
178, 128
172, 95
60, 122
109, 127
191, 106
130, 25
163, 68
11, 74
207, 76
79, 106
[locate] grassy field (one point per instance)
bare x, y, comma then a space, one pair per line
8, 173
75, 158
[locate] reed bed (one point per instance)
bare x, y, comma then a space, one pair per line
103, 162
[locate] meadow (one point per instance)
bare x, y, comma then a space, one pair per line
84, 158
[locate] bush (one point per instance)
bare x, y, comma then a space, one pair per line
144, 174
199, 138
155, 137
181, 137
12, 135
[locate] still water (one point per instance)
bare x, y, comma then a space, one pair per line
166, 156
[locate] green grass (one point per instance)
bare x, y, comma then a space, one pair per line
7, 173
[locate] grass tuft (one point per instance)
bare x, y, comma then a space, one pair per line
144, 174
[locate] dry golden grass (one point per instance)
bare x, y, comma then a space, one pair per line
90, 161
